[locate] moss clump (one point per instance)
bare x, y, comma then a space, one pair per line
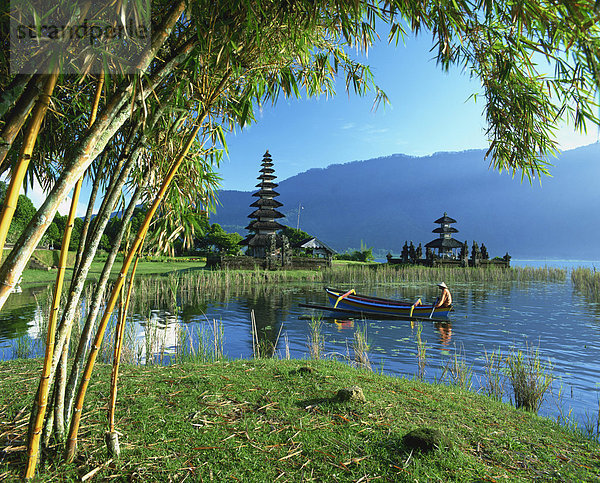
424, 439
353, 393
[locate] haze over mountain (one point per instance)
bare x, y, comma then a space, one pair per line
385, 201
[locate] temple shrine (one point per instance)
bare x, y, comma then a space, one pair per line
445, 244
264, 240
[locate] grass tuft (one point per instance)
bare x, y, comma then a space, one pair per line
529, 377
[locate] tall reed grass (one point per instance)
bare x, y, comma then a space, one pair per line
206, 346
169, 288
495, 378
316, 340
397, 274
361, 348
530, 378
587, 282
457, 371
421, 352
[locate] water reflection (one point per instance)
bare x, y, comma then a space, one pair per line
445, 332
167, 312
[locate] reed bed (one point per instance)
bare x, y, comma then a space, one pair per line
457, 371
197, 282
316, 340
398, 274
587, 282
421, 352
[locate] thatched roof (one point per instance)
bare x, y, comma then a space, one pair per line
264, 225
265, 192
267, 185
444, 243
260, 240
266, 203
265, 213
445, 219
314, 243
446, 229
267, 177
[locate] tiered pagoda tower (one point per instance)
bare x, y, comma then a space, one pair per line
264, 240
445, 244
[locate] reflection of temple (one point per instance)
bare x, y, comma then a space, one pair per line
264, 241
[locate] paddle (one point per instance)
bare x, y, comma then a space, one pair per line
342, 296
433, 308
413, 306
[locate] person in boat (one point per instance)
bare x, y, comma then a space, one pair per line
445, 298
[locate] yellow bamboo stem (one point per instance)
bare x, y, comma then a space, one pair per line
116, 361
34, 443
29, 139
73, 430
76, 419
119, 348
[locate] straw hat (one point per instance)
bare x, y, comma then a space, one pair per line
442, 285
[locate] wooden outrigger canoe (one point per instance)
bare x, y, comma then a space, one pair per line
330, 312
373, 305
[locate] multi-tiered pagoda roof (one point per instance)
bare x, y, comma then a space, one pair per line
263, 224
445, 244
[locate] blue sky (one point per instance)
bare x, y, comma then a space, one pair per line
430, 111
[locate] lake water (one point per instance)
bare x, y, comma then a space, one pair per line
507, 316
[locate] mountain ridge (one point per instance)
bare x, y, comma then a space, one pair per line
384, 201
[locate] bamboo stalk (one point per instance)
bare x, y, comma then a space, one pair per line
33, 446
97, 298
18, 116
72, 439
18, 175
112, 437
115, 114
34, 442
96, 184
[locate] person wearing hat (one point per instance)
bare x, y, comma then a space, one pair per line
445, 298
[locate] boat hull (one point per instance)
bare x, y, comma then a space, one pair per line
374, 305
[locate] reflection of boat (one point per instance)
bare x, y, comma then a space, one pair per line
379, 306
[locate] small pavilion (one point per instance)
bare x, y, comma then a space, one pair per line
316, 248
445, 244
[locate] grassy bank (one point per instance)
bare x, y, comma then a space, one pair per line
144, 268
340, 272
278, 420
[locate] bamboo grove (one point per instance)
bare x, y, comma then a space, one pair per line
155, 135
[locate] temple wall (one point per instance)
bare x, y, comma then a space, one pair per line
250, 263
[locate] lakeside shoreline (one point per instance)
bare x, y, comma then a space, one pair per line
268, 418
